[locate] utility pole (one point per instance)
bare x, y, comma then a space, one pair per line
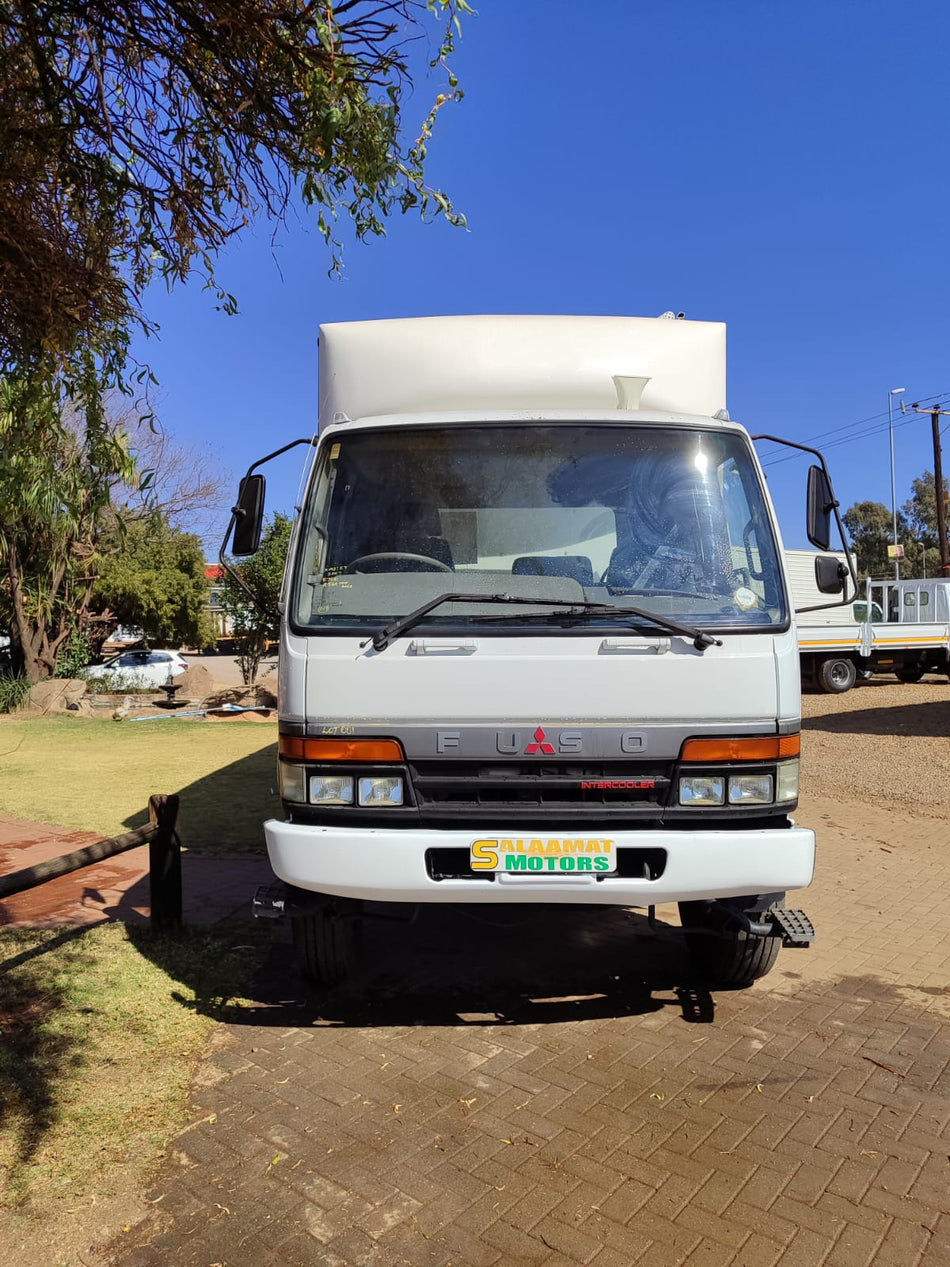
896, 391
938, 483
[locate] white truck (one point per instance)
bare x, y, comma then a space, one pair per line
899, 627
536, 638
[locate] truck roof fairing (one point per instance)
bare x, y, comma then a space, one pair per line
519, 363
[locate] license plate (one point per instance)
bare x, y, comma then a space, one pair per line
544, 855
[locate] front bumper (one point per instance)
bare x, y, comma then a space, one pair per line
385, 865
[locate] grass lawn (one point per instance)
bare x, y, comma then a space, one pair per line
98, 775
102, 1027
102, 1030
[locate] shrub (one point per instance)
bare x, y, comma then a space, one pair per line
13, 690
117, 684
73, 656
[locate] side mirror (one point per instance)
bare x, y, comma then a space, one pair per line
830, 573
821, 502
248, 516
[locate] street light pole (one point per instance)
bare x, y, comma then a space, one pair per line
895, 391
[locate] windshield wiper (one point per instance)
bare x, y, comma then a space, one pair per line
383, 637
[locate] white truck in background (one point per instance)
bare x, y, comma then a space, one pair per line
537, 644
899, 627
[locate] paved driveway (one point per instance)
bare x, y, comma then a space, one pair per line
555, 1090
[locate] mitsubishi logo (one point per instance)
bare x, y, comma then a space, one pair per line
540, 743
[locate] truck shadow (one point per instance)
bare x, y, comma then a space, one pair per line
478, 965
459, 966
925, 719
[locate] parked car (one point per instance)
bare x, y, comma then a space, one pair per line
123, 639
142, 670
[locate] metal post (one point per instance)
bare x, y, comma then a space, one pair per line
164, 865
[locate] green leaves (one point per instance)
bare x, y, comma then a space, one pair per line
132, 147
155, 580
870, 526
56, 473
263, 573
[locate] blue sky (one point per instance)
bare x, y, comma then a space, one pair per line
778, 166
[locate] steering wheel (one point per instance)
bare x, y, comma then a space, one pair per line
379, 562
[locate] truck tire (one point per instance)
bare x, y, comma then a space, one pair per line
910, 673
328, 941
727, 957
836, 675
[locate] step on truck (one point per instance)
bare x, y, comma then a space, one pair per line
537, 643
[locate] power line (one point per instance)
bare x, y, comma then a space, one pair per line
865, 434
862, 421
881, 429
873, 417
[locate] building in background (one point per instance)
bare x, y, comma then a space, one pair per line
219, 618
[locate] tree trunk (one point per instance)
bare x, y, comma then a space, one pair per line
250, 658
34, 653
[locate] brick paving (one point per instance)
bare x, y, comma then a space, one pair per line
213, 888
553, 1088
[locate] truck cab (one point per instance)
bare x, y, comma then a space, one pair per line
538, 646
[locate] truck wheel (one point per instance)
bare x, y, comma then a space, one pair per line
328, 940
835, 676
728, 957
910, 673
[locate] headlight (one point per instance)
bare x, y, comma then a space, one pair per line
331, 789
293, 781
750, 789
379, 790
702, 789
786, 781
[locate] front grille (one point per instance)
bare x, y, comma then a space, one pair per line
604, 788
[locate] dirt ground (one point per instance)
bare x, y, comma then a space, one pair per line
881, 742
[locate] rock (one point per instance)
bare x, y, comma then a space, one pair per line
54, 695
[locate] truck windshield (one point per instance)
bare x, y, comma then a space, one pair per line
668, 519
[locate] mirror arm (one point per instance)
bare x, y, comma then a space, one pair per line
834, 506
236, 514
239, 580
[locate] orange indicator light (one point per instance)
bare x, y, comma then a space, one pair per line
340, 749
740, 748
